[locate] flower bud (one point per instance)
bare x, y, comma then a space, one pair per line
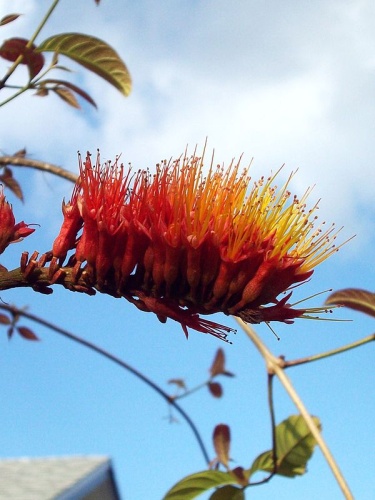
9, 231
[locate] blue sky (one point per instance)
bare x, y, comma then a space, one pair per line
281, 83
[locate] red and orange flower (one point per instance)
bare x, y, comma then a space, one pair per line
184, 242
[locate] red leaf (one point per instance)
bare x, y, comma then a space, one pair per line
215, 389
71, 86
221, 439
42, 92
218, 363
21, 153
9, 18
8, 180
354, 298
26, 333
66, 95
4, 320
179, 382
15, 47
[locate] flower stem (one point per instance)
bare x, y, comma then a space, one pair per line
274, 365
118, 361
333, 352
191, 391
43, 22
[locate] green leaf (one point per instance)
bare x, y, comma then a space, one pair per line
354, 298
196, 484
228, 492
92, 53
294, 446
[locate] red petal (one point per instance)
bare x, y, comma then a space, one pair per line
187, 318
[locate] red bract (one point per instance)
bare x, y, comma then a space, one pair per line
181, 243
10, 231
70, 227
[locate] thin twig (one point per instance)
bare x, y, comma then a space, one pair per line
188, 392
43, 22
273, 365
118, 361
19, 161
333, 352
273, 420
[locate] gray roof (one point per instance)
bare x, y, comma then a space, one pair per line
57, 478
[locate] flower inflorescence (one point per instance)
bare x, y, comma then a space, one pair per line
183, 242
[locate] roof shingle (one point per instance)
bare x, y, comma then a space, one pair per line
55, 478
